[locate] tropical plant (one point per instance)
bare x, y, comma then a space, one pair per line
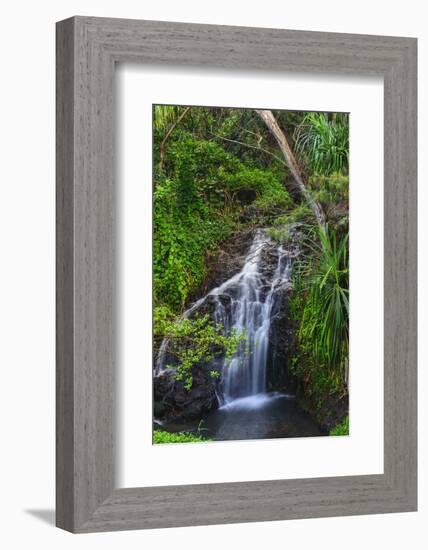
323, 142
324, 325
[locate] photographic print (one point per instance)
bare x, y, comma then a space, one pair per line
250, 274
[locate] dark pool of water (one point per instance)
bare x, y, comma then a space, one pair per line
262, 416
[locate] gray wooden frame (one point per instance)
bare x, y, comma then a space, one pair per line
87, 50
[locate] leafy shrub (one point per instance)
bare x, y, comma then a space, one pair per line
274, 197
184, 233
196, 342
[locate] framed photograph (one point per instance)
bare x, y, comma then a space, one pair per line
236, 274
237, 227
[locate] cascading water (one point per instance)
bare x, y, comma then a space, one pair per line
245, 303
251, 294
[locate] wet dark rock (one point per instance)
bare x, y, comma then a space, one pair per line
210, 303
328, 410
173, 401
261, 215
282, 343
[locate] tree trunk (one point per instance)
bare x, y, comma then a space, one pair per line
271, 123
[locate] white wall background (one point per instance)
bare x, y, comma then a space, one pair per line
27, 272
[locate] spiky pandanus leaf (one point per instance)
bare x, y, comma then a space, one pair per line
323, 144
324, 325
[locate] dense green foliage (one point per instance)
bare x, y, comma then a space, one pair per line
160, 436
196, 206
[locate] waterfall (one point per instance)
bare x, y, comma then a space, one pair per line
252, 294
245, 303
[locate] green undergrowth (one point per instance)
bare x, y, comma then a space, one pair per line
342, 428
282, 225
330, 189
161, 437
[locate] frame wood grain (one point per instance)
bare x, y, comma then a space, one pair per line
87, 50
